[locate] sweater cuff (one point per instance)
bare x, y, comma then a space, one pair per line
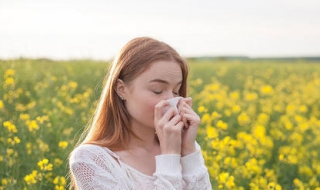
192, 163
168, 164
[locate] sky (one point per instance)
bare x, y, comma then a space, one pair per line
97, 29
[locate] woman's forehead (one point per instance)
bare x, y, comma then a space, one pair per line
163, 70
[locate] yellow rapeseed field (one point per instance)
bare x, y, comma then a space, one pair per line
260, 121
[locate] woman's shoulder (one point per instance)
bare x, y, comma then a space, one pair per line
86, 148
95, 167
85, 152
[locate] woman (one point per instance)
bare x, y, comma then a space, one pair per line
135, 141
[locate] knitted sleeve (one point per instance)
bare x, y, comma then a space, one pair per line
168, 172
194, 171
187, 173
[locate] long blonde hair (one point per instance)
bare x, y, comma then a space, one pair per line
110, 126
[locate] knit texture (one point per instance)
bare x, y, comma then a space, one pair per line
96, 167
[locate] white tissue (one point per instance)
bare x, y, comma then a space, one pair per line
173, 102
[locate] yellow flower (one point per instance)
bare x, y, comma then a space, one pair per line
298, 183
235, 95
259, 131
223, 177
75, 100
24, 116
263, 118
266, 90
202, 109
206, 118
57, 162
59, 182
68, 111
243, 119
29, 148
281, 157
31, 105
230, 183
222, 125
211, 132
10, 141
32, 125
314, 182
236, 108
44, 147
63, 144
251, 96
4, 181
13, 141
57, 187
226, 180
9, 73
293, 159
227, 112
10, 152
20, 107
10, 126
67, 131
45, 165
274, 186
303, 108
8, 82
16, 139
305, 171
290, 108
31, 178
215, 115
214, 87
42, 119
73, 84
1, 104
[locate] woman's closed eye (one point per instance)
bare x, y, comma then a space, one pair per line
157, 92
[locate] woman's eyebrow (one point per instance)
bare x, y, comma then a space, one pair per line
159, 80
162, 81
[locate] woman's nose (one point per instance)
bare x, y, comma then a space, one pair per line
170, 95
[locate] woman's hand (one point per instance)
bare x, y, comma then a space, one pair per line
191, 122
169, 128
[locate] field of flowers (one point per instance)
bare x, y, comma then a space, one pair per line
260, 121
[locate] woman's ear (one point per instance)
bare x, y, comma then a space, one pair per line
120, 89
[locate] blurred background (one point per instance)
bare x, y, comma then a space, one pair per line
68, 29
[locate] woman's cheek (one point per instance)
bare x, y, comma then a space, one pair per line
152, 106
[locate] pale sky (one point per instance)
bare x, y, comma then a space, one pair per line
97, 29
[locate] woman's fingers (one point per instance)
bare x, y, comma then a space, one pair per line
192, 120
186, 109
169, 127
187, 100
170, 133
158, 109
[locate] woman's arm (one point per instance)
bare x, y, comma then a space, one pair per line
168, 172
194, 172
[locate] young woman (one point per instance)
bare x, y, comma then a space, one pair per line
135, 141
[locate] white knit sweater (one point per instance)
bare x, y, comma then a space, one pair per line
96, 167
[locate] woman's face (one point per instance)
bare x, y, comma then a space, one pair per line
161, 81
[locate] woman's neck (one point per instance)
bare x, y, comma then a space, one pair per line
147, 138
